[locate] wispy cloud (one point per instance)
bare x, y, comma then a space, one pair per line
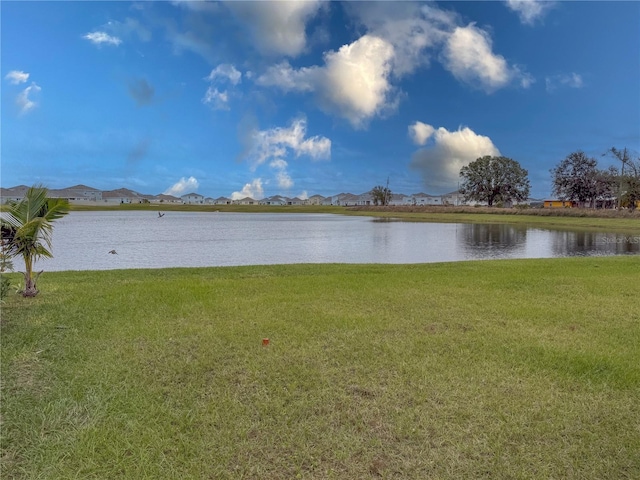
282, 176
277, 28
216, 99
225, 71
182, 186
530, 10
102, 38
199, 6
277, 143
24, 101
127, 29
568, 80
16, 77
223, 74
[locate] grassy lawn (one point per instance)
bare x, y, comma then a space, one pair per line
497, 369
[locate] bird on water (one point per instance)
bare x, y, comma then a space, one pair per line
113, 252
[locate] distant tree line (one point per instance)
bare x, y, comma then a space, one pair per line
500, 180
578, 178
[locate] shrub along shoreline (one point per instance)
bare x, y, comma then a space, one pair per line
495, 369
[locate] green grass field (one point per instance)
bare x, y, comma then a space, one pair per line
498, 369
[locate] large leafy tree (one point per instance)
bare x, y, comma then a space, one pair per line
576, 178
27, 228
381, 194
494, 179
628, 179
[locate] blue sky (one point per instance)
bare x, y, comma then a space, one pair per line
306, 97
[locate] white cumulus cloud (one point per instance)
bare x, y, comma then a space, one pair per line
252, 190
530, 10
277, 27
182, 186
440, 163
100, 38
353, 83
413, 29
358, 82
24, 101
16, 77
469, 57
420, 132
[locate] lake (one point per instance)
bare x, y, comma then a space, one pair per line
82, 240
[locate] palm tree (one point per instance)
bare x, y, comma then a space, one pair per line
27, 229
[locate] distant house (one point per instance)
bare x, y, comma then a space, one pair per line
245, 201
363, 199
77, 194
397, 199
164, 198
559, 204
296, 201
14, 194
453, 198
222, 201
192, 198
315, 200
422, 199
274, 200
344, 199
123, 195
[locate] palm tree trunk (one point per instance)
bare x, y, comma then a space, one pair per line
30, 289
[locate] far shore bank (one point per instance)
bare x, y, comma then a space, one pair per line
570, 218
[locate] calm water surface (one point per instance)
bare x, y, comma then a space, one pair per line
82, 240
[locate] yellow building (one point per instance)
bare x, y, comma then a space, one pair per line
559, 204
